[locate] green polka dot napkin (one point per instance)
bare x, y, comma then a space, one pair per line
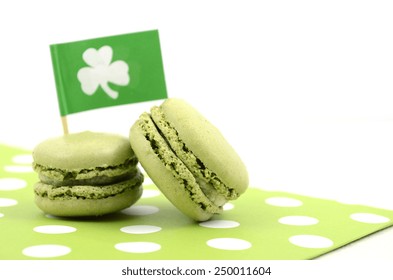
260, 225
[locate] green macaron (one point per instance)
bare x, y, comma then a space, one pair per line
188, 159
86, 174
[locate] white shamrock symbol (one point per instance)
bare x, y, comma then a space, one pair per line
101, 71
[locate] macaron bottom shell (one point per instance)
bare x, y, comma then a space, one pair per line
67, 201
78, 207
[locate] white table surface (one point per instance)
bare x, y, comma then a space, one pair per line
302, 90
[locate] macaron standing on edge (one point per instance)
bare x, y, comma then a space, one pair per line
188, 159
86, 174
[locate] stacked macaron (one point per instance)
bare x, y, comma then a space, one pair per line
86, 174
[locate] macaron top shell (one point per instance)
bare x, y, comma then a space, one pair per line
83, 151
207, 143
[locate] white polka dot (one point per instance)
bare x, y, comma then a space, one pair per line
141, 210
229, 244
5, 202
219, 224
10, 184
1, 215
138, 247
18, 168
150, 193
147, 181
23, 159
140, 229
228, 206
46, 251
311, 241
284, 202
298, 220
54, 229
369, 218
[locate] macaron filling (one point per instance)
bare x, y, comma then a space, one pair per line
210, 183
100, 174
86, 191
179, 170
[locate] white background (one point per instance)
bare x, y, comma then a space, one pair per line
302, 89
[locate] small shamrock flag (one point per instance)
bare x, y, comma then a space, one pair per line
108, 71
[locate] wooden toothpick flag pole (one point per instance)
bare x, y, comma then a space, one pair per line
64, 124
107, 71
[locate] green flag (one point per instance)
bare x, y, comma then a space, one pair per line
108, 71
